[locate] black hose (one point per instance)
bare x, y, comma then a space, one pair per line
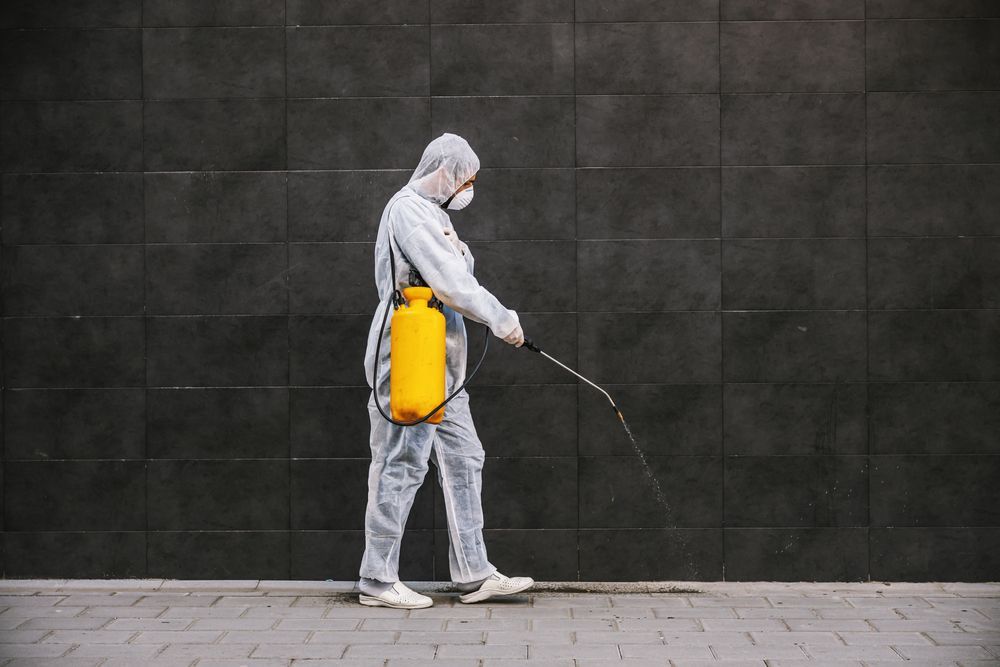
378, 351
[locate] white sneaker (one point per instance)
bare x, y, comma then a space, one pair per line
497, 585
397, 596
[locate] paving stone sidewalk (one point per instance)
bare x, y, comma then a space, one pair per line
157, 622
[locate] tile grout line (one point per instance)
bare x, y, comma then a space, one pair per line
927, 92
722, 326
868, 434
145, 295
576, 299
181, 26
288, 297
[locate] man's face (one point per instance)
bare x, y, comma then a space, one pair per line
467, 184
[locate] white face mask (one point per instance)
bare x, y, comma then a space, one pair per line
461, 200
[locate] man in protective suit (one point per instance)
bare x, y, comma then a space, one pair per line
416, 225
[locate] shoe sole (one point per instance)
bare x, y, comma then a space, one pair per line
369, 601
479, 596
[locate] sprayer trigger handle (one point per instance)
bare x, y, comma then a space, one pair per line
530, 345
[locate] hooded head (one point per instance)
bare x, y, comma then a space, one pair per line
447, 163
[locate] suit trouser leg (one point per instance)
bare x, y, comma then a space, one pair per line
399, 463
458, 455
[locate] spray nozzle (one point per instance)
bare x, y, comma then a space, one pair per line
619, 414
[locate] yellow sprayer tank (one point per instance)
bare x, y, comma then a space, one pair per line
417, 358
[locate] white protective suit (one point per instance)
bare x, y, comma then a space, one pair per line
414, 222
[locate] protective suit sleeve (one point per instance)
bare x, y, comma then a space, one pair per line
470, 261
447, 274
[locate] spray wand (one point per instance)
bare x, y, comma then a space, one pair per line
660, 497
534, 348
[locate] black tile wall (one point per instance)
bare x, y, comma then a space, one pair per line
791, 491
794, 346
964, 490
70, 64
71, 136
190, 63
933, 200
327, 277
788, 10
52, 424
651, 347
934, 417
797, 554
47, 279
932, 9
217, 423
216, 351
187, 494
657, 275
933, 55
793, 56
72, 208
933, 127
361, 61
355, 12
354, 133
764, 419
645, 58
220, 554
938, 345
63, 14
505, 505
215, 207
671, 203
237, 279
96, 554
793, 202
647, 130
692, 554
793, 129
934, 554
74, 351
793, 274
551, 408
335, 205
492, 59
515, 11
647, 10
74, 495
196, 134
222, 13
934, 273
683, 492
769, 228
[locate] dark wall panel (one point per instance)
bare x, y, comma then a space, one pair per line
769, 227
